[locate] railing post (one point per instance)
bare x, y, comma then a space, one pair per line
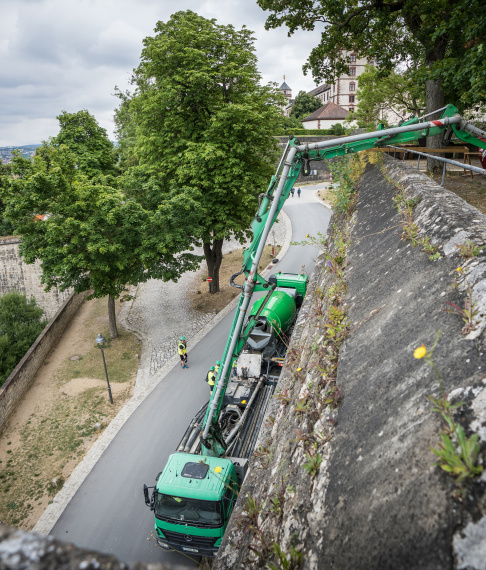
443, 174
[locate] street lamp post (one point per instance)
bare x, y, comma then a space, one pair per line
100, 341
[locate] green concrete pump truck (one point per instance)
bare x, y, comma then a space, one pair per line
194, 495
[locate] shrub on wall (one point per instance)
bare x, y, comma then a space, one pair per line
20, 324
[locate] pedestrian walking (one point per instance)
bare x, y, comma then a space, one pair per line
292, 192
298, 192
182, 350
211, 379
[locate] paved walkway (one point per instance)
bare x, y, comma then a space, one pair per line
160, 313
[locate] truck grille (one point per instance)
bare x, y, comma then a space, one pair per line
195, 542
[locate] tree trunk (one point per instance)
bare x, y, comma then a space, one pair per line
112, 317
434, 99
214, 255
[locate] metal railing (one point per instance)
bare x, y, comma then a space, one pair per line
439, 158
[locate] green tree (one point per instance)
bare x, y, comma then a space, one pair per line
203, 121
386, 100
20, 324
6, 227
288, 125
442, 40
304, 105
93, 238
81, 134
125, 131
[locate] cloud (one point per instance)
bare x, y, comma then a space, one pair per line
57, 55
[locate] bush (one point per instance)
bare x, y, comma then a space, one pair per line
20, 325
335, 130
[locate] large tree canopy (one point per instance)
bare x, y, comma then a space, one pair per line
89, 236
443, 39
304, 105
82, 135
203, 121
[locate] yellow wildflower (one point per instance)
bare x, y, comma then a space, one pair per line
459, 269
420, 352
307, 235
299, 369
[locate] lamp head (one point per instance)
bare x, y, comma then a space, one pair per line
100, 339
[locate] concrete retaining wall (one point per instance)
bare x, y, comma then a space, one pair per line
23, 375
15, 275
377, 499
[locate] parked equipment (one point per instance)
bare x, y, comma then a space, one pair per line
194, 495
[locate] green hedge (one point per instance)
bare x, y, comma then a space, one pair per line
309, 132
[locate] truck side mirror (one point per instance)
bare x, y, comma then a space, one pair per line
146, 495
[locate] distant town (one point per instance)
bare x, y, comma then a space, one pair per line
26, 150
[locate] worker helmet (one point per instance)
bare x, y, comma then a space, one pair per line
212, 368
218, 363
183, 338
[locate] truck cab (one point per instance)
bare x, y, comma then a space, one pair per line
192, 501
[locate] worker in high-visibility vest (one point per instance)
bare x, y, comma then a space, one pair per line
234, 371
211, 379
216, 367
182, 350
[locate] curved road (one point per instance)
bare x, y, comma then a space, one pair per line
108, 513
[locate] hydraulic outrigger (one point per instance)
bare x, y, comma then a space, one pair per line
207, 482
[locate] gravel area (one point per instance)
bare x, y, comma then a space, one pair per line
160, 313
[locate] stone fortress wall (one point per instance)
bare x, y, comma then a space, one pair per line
15, 275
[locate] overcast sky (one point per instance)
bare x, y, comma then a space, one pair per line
68, 55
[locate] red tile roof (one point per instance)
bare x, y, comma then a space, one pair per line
328, 111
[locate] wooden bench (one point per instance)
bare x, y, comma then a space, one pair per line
448, 149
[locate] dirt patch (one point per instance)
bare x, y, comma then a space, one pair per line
324, 195
77, 386
231, 264
471, 190
63, 413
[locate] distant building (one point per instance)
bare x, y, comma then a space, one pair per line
343, 91
287, 92
326, 116
320, 92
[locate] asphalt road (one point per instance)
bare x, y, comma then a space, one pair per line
108, 513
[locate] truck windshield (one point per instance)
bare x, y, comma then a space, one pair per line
188, 510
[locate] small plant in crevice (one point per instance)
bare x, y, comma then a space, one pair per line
313, 464
333, 397
283, 396
401, 202
264, 455
293, 561
469, 249
249, 522
469, 312
458, 454
427, 247
410, 230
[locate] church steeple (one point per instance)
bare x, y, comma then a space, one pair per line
286, 89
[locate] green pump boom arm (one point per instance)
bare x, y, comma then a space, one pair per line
296, 158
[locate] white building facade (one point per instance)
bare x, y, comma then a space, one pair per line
343, 91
